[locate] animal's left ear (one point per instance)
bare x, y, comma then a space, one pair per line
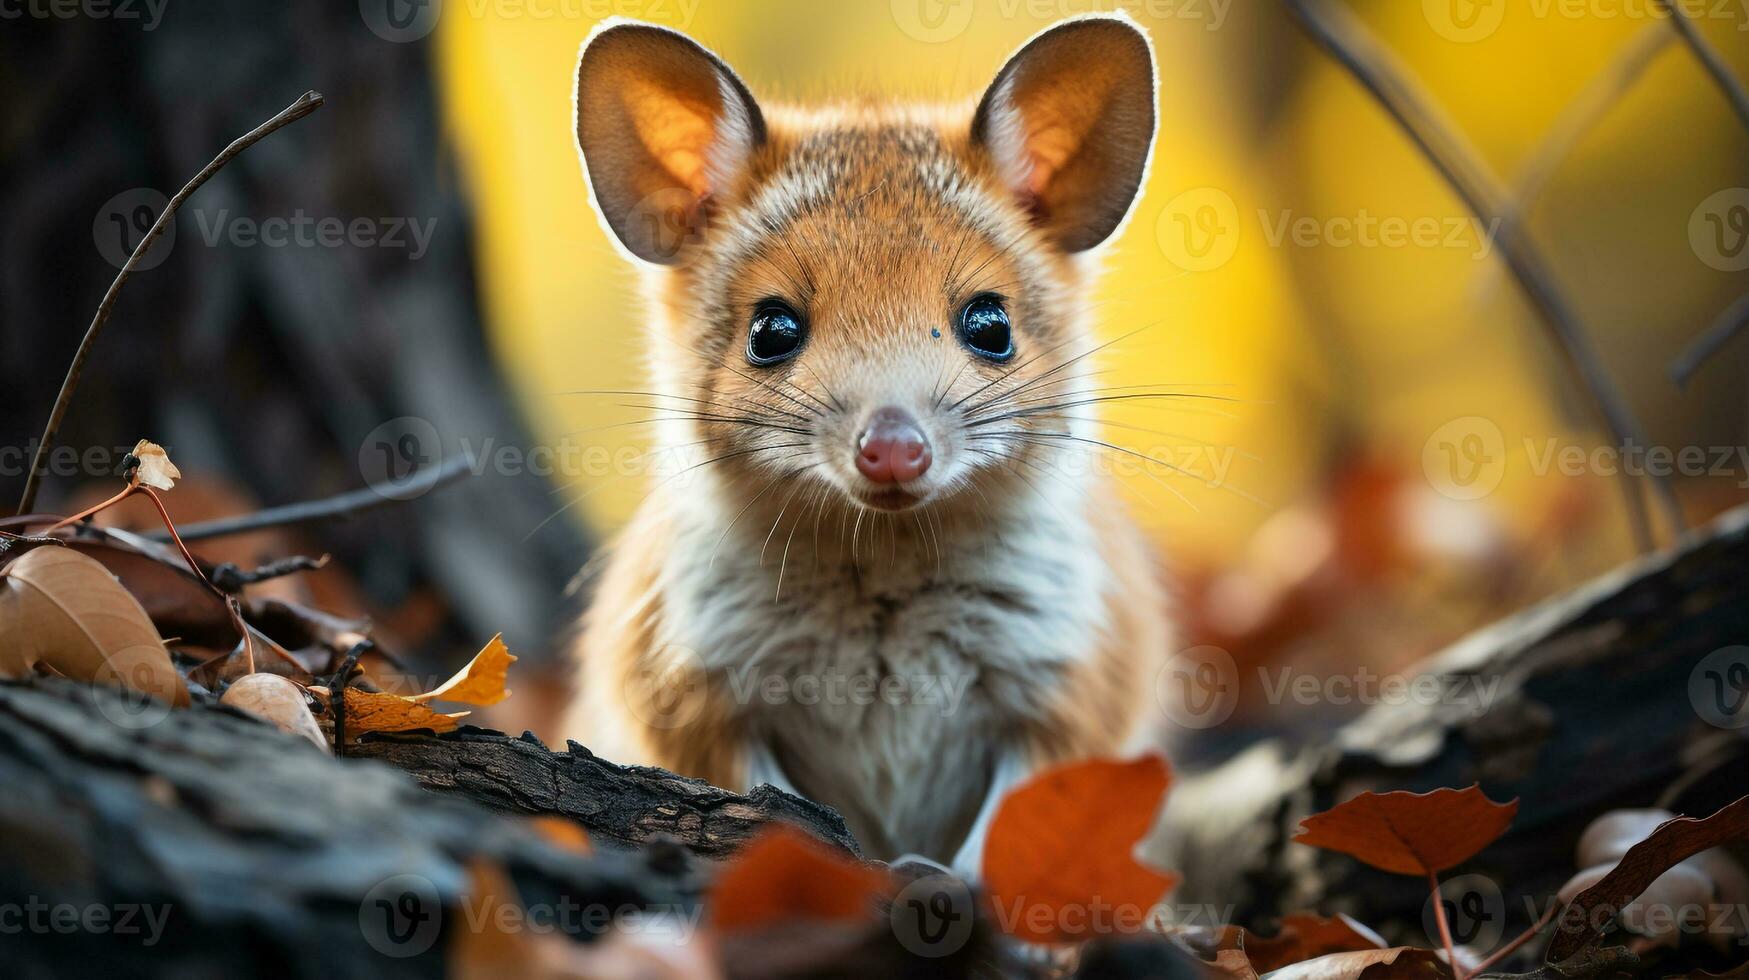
1070, 123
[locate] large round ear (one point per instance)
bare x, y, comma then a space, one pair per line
1070, 123
662, 125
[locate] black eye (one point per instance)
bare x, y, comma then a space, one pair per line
984, 328
775, 334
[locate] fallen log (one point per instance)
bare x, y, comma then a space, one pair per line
206, 843
1597, 699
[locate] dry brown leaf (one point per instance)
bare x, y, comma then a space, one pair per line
1410, 833
66, 611
277, 700
1579, 924
481, 682
1060, 854
374, 711
1304, 937
1396, 963
155, 469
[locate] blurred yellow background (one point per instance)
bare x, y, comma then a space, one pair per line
1334, 349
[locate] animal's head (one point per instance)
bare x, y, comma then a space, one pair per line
889, 301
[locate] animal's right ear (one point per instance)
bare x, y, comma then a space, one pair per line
662, 125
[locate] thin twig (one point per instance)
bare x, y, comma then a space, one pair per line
232, 579
1523, 937
1600, 95
307, 103
1348, 41
351, 502
1710, 59
1728, 324
1451, 959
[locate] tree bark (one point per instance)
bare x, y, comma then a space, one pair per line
1594, 700
135, 842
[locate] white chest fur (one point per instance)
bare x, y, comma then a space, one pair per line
891, 684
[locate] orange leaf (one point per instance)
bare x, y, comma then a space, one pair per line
374, 711
564, 834
481, 682
1059, 863
784, 876
1410, 833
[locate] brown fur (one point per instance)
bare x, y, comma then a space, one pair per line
880, 223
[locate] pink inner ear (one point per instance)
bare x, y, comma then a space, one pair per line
1038, 176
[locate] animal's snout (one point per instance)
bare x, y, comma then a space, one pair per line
893, 448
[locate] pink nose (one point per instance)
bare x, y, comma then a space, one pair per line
892, 449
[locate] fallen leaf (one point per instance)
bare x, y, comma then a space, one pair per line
481, 682
277, 700
1410, 833
155, 469
566, 835
1579, 925
374, 711
64, 610
1304, 937
785, 876
1395, 963
1059, 862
